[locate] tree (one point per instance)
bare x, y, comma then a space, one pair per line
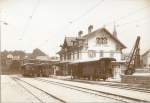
37, 52
19, 53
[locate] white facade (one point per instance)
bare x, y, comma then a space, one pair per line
92, 50
146, 59
101, 50
93, 46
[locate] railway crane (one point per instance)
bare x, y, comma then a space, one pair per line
133, 60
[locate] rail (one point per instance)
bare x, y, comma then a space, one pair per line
51, 95
95, 92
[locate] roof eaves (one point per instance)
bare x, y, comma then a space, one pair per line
114, 37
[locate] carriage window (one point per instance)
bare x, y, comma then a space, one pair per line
92, 53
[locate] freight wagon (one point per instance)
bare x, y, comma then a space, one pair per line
94, 70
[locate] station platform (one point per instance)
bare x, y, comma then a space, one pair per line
141, 76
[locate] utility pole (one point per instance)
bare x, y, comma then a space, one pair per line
0, 59
5, 23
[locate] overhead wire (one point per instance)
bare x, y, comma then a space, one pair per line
137, 25
137, 21
87, 12
92, 8
129, 14
26, 27
109, 23
81, 16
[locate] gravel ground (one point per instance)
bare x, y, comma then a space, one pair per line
11, 92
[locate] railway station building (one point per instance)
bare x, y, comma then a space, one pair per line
90, 47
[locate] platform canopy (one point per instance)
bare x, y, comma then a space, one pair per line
92, 60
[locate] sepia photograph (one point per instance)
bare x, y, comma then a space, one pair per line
74, 51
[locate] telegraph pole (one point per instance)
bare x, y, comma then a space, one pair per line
5, 23
0, 59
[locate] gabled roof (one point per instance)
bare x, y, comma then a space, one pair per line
68, 41
114, 38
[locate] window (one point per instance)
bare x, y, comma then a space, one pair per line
72, 57
102, 40
69, 55
122, 57
80, 55
61, 57
101, 53
117, 48
98, 40
91, 53
65, 56
111, 54
85, 45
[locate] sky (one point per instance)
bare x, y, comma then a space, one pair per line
44, 24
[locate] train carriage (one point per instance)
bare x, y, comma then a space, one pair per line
27, 69
95, 70
36, 69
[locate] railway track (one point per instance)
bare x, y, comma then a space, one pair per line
95, 92
31, 90
116, 85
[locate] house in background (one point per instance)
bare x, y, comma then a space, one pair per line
146, 59
9, 59
91, 47
43, 58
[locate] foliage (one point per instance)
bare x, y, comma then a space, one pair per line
37, 52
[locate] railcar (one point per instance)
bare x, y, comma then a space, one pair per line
28, 69
94, 70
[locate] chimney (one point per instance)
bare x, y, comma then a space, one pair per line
115, 32
80, 33
90, 28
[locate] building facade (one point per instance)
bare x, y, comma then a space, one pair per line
92, 46
146, 59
